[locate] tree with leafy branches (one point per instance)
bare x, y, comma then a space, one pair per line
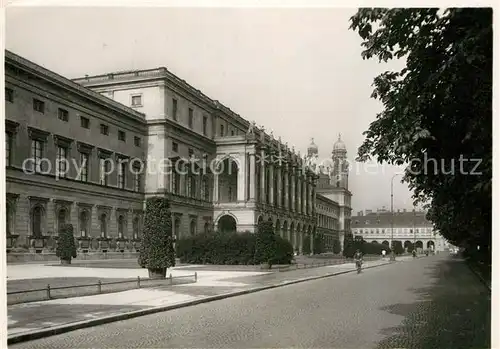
437, 111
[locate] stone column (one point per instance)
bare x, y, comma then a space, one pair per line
300, 199
311, 237
271, 184
285, 186
292, 177
252, 188
262, 176
280, 185
242, 179
215, 195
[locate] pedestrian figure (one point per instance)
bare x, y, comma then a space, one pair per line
383, 253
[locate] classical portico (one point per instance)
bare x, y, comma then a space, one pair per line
256, 177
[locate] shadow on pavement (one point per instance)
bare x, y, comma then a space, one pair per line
453, 311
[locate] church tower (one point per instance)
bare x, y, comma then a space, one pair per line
340, 173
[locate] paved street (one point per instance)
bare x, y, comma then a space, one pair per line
433, 302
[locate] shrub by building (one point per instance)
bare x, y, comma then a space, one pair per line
157, 250
66, 248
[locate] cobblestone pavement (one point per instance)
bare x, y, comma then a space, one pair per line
433, 302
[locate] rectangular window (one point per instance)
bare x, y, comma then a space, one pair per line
122, 168
84, 122
9, 95
137, 180
104, 129
62, 162
137, 141
175, 183
103, 171
232, 132
84, 169
63, 114
191, 118
121, 136
190, 152
136, 101
189, 185
174, 109
205, 121
38, 105
36, 154
175, 147
8, 143
222, 130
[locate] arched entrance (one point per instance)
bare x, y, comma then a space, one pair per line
206, 228
284, 232
226, 224
228, 180
291, 235
104, 228
419, 244
407, 245
277, 228
177, 228
385, 242
121, 226
430, 245
135, 227
374, 242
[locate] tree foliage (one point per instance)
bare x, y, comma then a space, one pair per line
157, 250
438, 107
265, 245
66, 248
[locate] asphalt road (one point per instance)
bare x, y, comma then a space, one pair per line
433, 302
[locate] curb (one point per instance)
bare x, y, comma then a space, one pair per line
478, 275
24, 337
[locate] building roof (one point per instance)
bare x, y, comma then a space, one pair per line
339, 144
50, 76
323, 198
383, 220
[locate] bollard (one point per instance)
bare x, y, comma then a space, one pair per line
99, 286
48, 291
171, 280
138, 282
195, 276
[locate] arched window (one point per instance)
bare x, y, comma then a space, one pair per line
36, 221
84, 223
177, 228
104, 228
61, 218
135, 227
121, 226
192, 228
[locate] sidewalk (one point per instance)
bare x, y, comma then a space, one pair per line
38, 316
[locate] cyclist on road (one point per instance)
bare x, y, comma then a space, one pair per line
358, 258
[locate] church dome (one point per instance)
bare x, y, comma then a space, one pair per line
312, 149
339, 145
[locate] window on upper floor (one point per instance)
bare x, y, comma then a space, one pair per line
38, 105
9, 94
37, 154
136, 100
232, 132
63, 114
174, 109
122, 170
104, 167
8, 148
205, 122
84, 122
104, 129
84, 169
175, 146
222, 130
137, 141
190, 118
62, 162
121, 136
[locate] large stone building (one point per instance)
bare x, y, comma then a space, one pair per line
409, 227
89, 151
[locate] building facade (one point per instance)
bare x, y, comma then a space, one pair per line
327, 212
409, 227
89, 151
58, 138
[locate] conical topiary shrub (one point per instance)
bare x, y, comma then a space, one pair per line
66, 248
265, 246
157, 251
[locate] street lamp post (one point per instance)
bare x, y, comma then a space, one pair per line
393, 255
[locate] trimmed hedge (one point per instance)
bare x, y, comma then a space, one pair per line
157, 251
230, 249
265, 246
66, 248
336, 246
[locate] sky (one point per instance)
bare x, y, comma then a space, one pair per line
298, 72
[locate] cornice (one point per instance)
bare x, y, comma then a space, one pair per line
54, 78
11, 126
84, 147
38, 134
63, 141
